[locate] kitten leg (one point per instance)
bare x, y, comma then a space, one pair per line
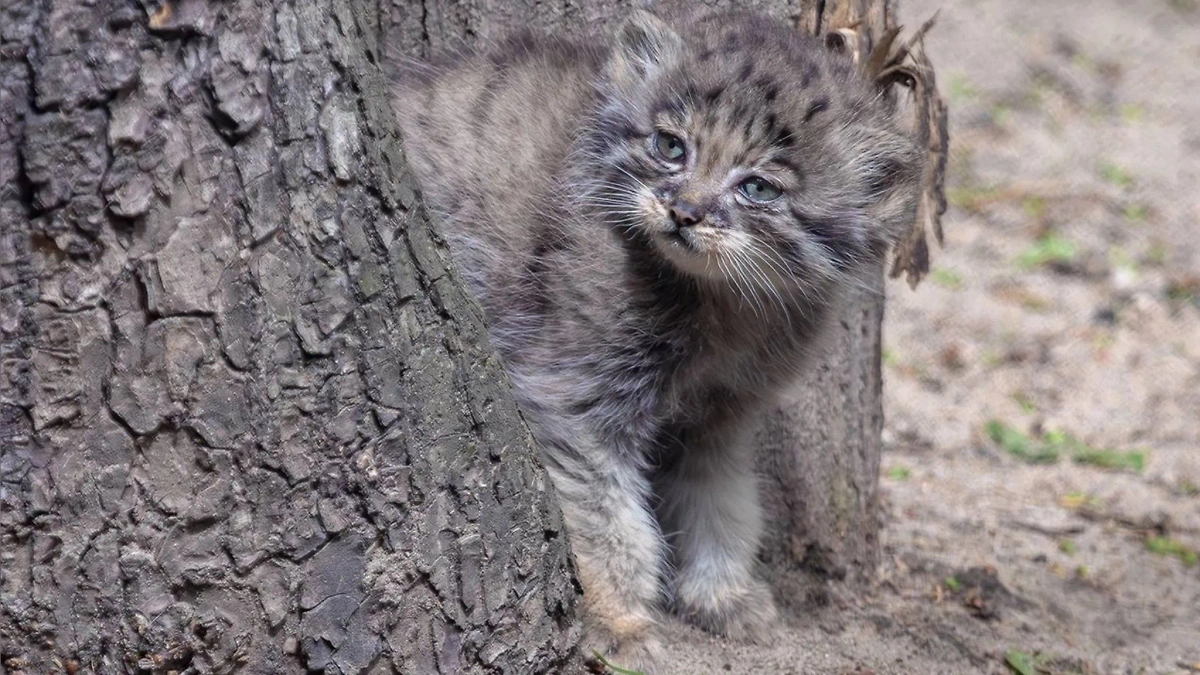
619, 551
710, 511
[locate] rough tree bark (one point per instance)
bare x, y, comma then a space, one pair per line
247, 416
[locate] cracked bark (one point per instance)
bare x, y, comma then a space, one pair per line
247, 419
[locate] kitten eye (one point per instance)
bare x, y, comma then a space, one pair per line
669, 147
759, 190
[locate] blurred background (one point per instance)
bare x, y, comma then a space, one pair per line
1042, 386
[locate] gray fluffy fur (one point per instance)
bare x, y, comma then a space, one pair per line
641, 349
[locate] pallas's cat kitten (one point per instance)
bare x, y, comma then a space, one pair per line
658, 230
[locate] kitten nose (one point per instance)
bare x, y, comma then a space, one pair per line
686, 214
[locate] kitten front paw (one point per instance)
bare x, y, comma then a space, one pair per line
744, 612
629, 642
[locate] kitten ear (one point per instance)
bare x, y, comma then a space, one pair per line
645, 46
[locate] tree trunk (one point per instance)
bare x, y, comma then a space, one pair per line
247, 415
819, 454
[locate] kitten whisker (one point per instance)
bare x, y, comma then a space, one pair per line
742, 278
767, 286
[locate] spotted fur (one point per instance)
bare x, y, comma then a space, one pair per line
641, 350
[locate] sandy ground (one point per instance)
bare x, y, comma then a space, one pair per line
1066, 302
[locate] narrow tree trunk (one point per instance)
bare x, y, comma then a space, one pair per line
247, 416
819, 454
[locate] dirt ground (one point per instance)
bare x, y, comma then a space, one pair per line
1065, 311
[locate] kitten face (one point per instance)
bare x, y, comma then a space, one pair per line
746, 154
713, 199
